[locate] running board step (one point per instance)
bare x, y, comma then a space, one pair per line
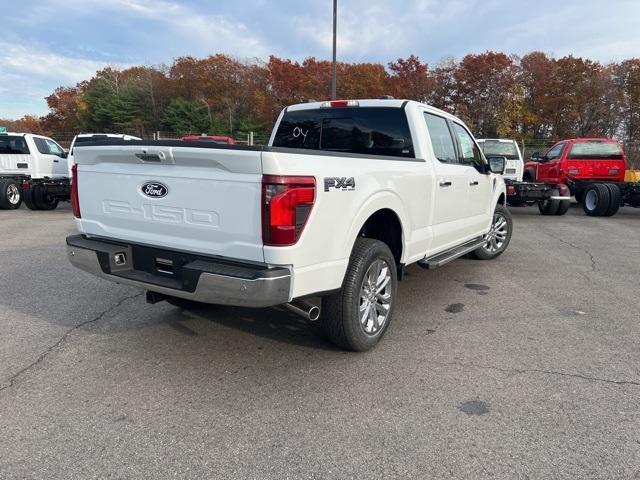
451, 254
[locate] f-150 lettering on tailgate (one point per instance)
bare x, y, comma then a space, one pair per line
162, 214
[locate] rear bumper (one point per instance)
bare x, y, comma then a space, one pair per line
202, 279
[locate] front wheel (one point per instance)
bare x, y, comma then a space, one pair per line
358, 315
499, 235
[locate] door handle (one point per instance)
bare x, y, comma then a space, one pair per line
445, 183
56, 161
473, 183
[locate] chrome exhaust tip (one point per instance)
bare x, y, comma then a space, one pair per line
304, 309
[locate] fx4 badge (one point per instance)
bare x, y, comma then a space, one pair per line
341, 183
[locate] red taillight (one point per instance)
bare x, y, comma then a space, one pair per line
75, 203
511, 190
286, 205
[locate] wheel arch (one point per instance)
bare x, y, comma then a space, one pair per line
373, 221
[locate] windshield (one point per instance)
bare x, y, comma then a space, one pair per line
366, 130
13, 145
588, 150
500, 149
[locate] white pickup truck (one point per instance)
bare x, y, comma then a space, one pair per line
346, 194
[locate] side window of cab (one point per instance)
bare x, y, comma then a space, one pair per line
555, 152
470, 153
441, 140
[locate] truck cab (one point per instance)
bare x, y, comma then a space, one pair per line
509, 149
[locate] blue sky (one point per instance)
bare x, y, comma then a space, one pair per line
47, 43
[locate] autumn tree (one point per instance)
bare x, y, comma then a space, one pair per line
410, 79
484, 83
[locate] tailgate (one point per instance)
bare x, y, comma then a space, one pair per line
200, 200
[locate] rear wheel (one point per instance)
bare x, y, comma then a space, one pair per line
10, 194
499, 236
597, 200
550, 206
615, 200
357, 316
42, 199
28, 199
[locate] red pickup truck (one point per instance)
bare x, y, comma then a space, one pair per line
592, 168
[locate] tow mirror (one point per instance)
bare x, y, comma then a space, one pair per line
497, 164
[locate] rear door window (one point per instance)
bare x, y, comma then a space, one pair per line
441, 139
13, 145
364, 130
497, 148
589, 150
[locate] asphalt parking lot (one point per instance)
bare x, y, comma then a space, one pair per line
524, 367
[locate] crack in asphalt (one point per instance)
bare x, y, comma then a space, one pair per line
546, 372
594, 266
43, 355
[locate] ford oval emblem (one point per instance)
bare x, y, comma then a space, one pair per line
154, 189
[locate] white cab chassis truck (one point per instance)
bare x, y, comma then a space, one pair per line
37, 170
33, 169
346, 194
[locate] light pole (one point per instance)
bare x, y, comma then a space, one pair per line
333, 66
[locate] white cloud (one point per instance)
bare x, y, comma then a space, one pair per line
22, 61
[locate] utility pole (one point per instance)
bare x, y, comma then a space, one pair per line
335, 29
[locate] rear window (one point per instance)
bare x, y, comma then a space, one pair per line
499, 149
13, 145
366, 130
586, 150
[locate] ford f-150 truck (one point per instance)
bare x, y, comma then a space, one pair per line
346, 194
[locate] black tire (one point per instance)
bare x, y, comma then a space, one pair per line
596, 200
564, 207
529, 175
486, 252
341, 320
579, 196
550, 206
10, 194
42, 199
27, 196
615, 197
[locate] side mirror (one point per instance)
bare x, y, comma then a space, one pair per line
535, 156
64, 155
497, 164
